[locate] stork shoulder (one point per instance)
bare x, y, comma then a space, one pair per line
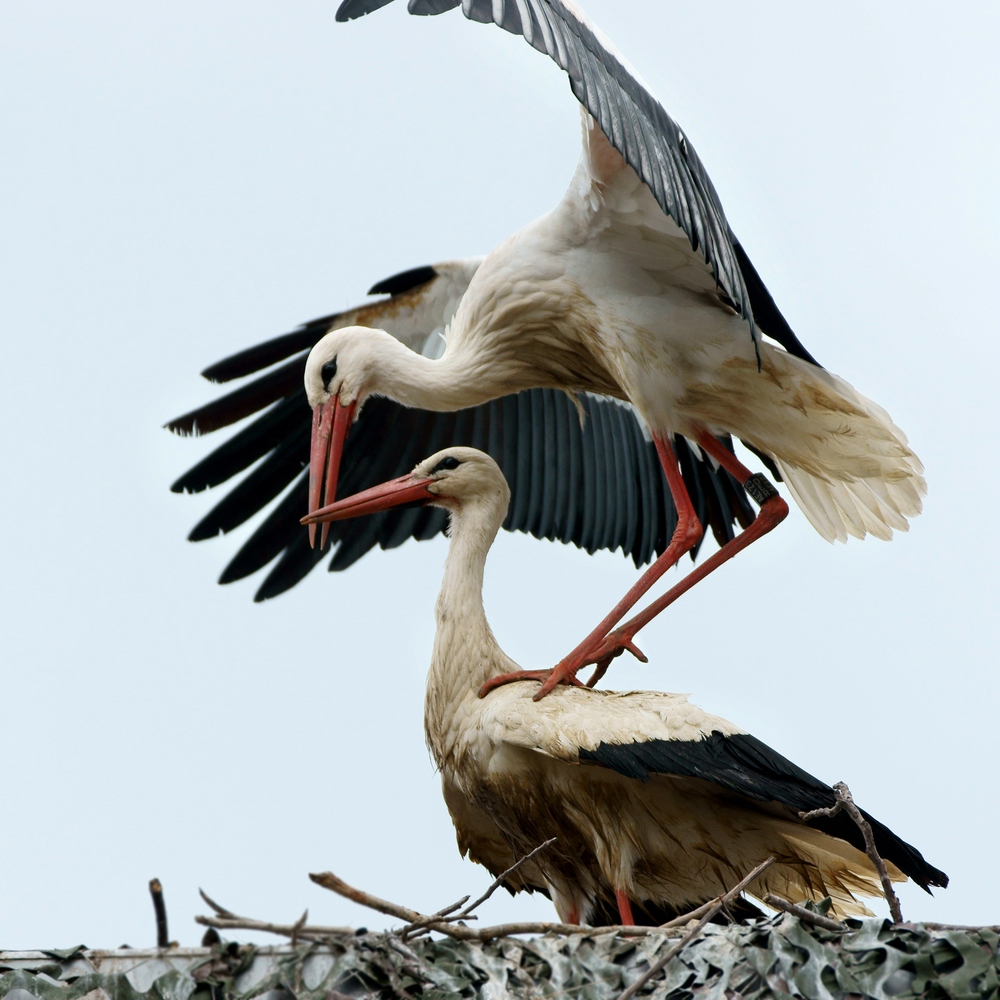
571, 720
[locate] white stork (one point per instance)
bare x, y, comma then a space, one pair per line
656, 805
556, 466
634, 287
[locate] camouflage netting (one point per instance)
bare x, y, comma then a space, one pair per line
777, 957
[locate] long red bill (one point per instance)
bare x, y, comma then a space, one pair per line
395, 493
331, 422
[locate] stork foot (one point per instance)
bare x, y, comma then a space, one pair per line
549, 678
612, 645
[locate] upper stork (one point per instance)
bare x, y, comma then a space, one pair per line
557, 465
633, 287
656, 805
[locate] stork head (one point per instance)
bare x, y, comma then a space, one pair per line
341, 372
456, 479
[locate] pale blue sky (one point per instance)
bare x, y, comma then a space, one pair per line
181, 180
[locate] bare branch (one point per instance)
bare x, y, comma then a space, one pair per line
220, 911
298, 925
295, 931
499, 880
780, 903
330, 881
844, 795
658, 966
418, 925
845, 801
685, 918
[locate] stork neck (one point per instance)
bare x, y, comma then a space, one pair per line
443, 385
465, 652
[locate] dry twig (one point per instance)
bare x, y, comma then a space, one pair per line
658, 966
817, 813
227, 920
420, 927
294, 931
780, 903
499, 880
330, 881
220, 911
845, 801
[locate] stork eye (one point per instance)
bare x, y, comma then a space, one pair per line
446, 463
328, 372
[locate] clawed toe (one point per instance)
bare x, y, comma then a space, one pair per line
517, 675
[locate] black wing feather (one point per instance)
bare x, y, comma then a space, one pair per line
244, 448
744, 765
405, 281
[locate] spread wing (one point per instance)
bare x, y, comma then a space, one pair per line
639, 128
598, 485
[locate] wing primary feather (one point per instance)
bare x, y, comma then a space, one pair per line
274, 534
521, 494
562, 463
494, 438
511, 436
607, 473
591, 460
350, 9
405, 281
295, 563
720, 516
260, 356
607, 476
766, 312
442, 433
242, 402
256, 491
246, 446
480, 436
426, 8
544, 459
575, 493
399, 524
624, 491
650, 512
630, 507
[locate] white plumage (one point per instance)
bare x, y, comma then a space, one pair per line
515, 772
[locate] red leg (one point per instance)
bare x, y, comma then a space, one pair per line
624, 909
773, 511
686, 535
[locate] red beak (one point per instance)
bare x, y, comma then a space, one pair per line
408, 490
331, 422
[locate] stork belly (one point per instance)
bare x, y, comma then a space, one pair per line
660, 347
667, 840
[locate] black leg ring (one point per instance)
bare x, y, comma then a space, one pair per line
760, 488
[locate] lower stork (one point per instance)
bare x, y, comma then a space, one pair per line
656, 805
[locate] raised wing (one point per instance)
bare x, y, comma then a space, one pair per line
598, 485
639, 128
